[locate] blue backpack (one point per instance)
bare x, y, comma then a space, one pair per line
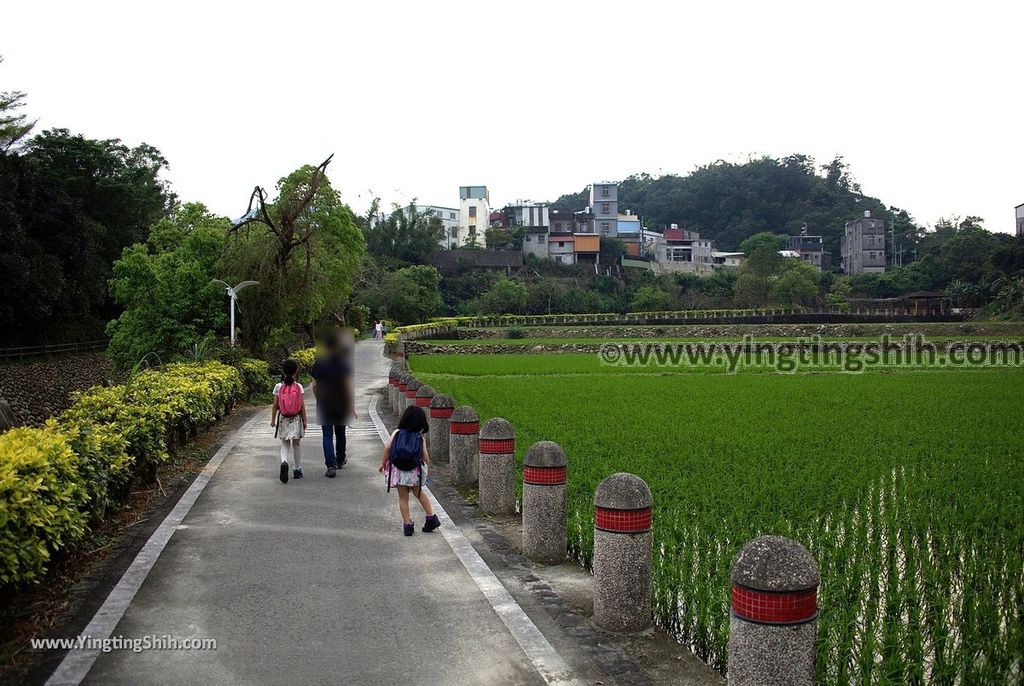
406, 448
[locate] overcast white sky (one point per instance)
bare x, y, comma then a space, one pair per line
533, 99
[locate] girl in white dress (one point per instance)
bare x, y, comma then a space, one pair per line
288, 417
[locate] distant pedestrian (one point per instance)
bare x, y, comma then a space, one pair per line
406, 462
288, 417
378, 330
335, 401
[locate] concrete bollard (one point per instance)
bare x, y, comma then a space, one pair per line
411, 386
399, 407
393, 373
441, 408
497, 467
544, 503
622, 553
774, 621
464, 445
424, 394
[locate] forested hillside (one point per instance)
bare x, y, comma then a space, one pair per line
730, 202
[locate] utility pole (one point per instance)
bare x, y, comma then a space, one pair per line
233, 303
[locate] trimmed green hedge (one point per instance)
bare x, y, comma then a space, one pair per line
56, 480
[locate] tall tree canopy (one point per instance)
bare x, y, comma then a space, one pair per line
403, 237
164, 286
14, 125
68, 206
304, 248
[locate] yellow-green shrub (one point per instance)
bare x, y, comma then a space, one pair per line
157, 406
104, 466
54, 480
305, 358
255, 376
143, 426
43, 503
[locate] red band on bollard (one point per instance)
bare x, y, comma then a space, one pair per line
544, 476
401, 386
422, 401
497, 446
622, 521
441, 412
410, 393
465, 427
774, 607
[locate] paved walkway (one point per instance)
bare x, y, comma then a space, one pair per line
312, 582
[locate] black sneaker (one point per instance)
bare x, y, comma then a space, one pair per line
331, 472
284, 472
344, 461
409, 529
431, 523
297, 473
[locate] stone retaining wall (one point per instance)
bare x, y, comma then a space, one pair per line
928, 330
38, 388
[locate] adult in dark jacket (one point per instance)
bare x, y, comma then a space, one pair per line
335, 401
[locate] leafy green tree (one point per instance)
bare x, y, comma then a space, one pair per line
14, 126
649, 299
506, 296
409, 295
798, 284
460, 291
404, 237
68, 208
754, 277
1009, 300
500, 238
774, 240
838, 296
720, 286
304, 249
423, 290
612, 250
1008, 259
164, 286
546, 296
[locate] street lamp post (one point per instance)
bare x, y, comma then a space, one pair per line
233, 295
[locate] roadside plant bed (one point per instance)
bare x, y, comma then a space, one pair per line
59, 480
704, 331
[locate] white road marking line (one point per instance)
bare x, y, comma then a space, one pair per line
77, 663
545, 659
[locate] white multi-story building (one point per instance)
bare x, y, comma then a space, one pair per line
1020, 220
474, 215
449, 217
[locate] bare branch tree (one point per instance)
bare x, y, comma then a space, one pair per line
286, 228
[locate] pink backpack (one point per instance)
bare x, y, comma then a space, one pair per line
289, 399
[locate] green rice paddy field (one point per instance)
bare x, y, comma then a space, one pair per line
906, 486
